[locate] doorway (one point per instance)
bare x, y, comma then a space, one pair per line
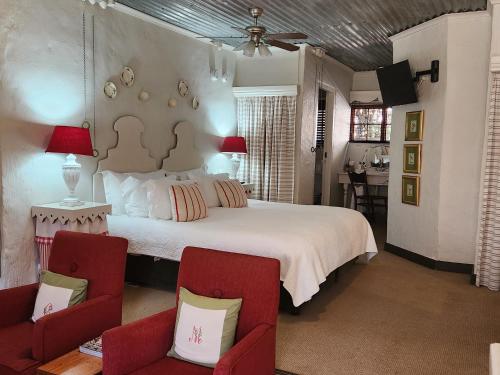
323, 147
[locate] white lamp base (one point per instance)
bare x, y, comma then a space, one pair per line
71, 174
235, 167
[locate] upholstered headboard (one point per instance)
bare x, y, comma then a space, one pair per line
129, 155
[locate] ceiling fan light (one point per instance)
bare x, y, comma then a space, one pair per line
249, 50
240, 47
103, 4
111, 3
92, 2
264, 50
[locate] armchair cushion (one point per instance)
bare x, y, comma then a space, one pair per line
173, 366
58, 292
15, 348
21, 301
205, 328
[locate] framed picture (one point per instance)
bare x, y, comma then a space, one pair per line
411, 190
414, 126
412, 158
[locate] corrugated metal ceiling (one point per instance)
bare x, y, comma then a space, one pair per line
355, 32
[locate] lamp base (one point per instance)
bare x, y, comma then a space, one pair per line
71, 202
235, 160
71, 175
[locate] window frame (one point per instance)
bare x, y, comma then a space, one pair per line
383, 125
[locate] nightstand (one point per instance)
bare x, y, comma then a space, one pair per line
248, 188
52, 217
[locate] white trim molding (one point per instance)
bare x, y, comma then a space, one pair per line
285, 90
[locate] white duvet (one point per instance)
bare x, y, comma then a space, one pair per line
309, 241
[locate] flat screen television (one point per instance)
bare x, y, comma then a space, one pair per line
396, 84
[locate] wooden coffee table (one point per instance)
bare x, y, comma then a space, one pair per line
74, 363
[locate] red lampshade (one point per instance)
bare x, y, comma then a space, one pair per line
234, 145
70, 140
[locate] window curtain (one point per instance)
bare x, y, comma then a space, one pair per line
268, 125
488, 251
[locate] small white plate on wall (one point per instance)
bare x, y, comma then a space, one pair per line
127, 77
110, 90
183, 88
196, 103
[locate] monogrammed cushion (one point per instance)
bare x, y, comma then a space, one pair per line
188, 203
58, 292
231, 193
205, 328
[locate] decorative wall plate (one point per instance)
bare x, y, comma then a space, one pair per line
110, 90
183, 88
195, 103
127, 77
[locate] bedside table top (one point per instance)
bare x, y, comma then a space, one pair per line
56, 211
74, 363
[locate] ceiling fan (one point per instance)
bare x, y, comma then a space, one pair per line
260, 39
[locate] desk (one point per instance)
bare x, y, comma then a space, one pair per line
375, 178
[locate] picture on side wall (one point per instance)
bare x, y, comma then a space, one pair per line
414, 126
412, 158
411, 190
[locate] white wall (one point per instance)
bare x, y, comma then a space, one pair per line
282, 68
337, 78
443, 227
41, 85
365, 81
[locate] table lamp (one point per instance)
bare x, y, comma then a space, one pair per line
237, 147
71, 140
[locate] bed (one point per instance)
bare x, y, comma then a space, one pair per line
310, 241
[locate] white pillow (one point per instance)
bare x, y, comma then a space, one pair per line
134, 194
184, 175
50, 299
112, 181
158, 199
208, 188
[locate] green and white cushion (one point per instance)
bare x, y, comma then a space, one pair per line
58, 292
205, 328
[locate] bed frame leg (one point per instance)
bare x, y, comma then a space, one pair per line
336, 275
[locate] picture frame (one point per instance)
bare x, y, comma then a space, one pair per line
411, 190
412, 158
414, 126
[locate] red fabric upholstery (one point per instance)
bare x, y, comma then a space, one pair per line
140, 348
99, 259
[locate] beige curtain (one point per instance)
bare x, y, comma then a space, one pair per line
488, 252
268, 125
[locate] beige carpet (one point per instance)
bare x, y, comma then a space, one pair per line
389, 317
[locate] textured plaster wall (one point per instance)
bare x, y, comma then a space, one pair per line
41, 85
444, 225
337, 78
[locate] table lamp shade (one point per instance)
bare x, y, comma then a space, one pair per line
70, 140
234, 145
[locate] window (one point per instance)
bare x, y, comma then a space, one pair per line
371, 123
321, 119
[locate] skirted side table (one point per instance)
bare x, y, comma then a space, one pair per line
50, 218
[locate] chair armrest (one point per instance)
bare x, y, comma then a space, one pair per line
17, 304
65, 330
253, 354
138, 344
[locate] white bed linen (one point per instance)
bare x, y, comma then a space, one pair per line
309, 241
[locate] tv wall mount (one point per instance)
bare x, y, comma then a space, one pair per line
433, 72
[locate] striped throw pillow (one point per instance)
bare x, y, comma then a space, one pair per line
231, 193
188, 203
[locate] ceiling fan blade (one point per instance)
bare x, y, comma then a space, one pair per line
241, 30
287, 36
282, 45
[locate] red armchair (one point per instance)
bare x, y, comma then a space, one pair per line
25, 345
141, 347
